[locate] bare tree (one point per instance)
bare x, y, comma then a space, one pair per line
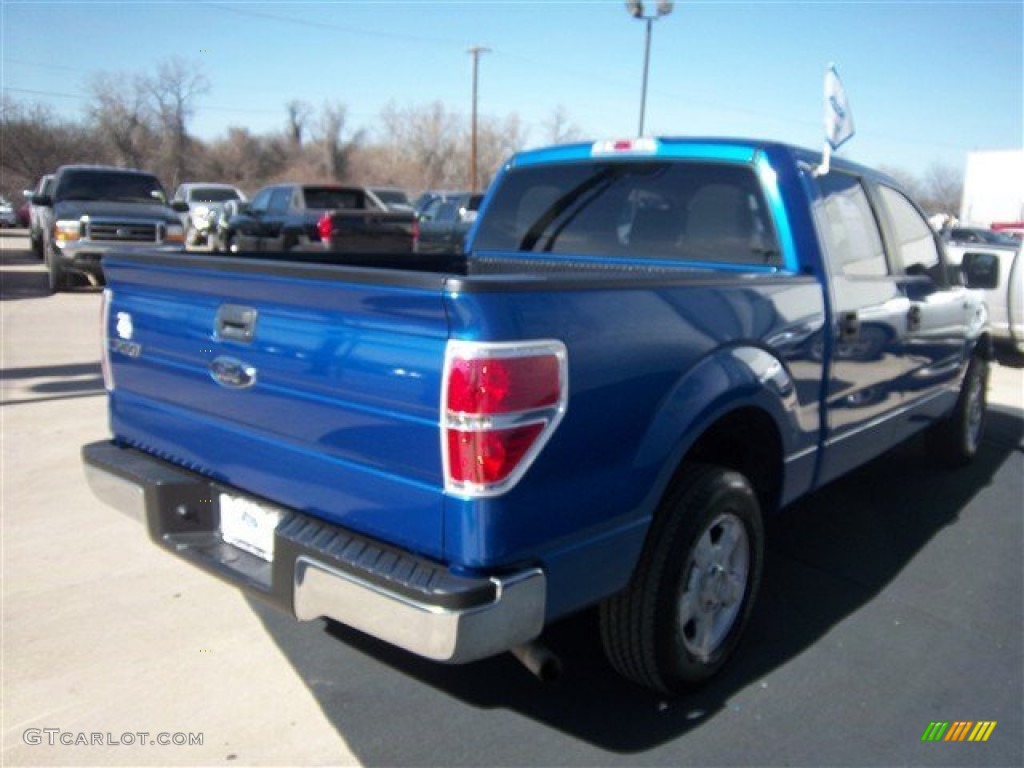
424, 142
123, 115
299, 113
938, 191
174, 91
335, 150
944, 188
559, 129
498, 140
35, 142
245, 159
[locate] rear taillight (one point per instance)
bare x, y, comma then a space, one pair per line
324, 227
108, 374
500, 404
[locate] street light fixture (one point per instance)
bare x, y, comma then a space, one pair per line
636, 10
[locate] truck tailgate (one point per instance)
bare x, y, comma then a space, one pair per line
284, 380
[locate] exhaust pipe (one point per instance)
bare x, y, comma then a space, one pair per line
539, 659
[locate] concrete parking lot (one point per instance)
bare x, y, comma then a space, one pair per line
892, 599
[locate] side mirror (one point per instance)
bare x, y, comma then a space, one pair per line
43, 200
981, 270
180, 206
467, 217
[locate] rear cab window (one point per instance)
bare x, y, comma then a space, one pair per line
682, 211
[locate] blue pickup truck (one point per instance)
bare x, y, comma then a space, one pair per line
649, 346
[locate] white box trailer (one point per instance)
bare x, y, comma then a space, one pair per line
993, 188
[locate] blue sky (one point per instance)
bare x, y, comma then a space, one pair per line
928, 81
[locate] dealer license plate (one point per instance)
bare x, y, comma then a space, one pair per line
248, 525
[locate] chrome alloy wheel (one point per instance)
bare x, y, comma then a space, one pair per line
713, 586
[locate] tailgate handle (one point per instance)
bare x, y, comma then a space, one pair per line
235, 322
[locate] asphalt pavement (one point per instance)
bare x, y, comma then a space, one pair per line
892, 599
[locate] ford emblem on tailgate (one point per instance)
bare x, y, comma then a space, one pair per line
232, 373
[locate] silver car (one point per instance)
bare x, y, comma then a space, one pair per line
205, 201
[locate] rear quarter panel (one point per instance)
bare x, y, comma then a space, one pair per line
650, 367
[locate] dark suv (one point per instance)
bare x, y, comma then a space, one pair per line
96, 209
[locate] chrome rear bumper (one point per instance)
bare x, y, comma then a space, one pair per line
320, 570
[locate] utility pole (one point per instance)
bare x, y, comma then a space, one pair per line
475, 52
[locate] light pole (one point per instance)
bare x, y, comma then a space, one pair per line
475, 52
636, 10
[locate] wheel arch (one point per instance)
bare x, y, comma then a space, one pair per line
737, 409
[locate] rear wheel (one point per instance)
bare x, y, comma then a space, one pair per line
955, 440
682, 615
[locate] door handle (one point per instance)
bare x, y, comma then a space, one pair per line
236, 323
914, 318
849, 326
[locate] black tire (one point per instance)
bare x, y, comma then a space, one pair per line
56, 278
955, 440
678, 621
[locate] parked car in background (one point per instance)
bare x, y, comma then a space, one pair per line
1014, 229
40, 216
8, 216
430, 195
1005, 298
320, 217
205, 201
967, 235
443, 225
221, 225
96, 209
390, 199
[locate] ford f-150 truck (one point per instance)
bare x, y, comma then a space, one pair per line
649, 346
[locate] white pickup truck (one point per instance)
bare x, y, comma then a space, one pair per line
1005, 301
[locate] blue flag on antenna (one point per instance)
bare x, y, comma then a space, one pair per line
838, 117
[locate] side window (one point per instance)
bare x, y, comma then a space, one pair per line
853, 243
430, 212
280, 199
918, 251
261, 201
446, 214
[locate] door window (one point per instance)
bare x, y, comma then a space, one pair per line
915, 241
853, 243
280, 200
261, 201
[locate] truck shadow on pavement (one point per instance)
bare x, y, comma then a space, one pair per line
827, 557
51, 382
24, 277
